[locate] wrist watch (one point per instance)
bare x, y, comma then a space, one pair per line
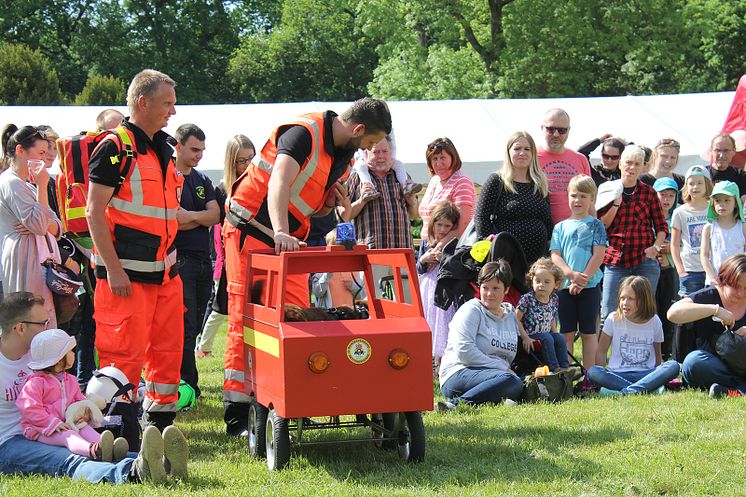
657, 247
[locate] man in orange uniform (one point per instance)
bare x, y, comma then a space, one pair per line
139, 300
294, 177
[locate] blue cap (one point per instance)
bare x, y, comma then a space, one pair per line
665, 183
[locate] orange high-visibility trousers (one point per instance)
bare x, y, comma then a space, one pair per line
145, 329
235, 269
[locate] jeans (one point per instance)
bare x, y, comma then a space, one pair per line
196, 275
613, 276
553, 348
631, 382
693, 281
481, 385
21, 456
701, 369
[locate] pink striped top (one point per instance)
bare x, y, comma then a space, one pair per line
459, 189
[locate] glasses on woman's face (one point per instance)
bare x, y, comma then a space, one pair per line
609, 156
242, 162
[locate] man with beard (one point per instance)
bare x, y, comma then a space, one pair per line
294, 177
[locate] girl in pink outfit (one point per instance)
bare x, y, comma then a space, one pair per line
47, 394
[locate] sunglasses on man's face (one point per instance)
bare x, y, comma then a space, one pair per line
554, 129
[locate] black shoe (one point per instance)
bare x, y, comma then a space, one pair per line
236, 417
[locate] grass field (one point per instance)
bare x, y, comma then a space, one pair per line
673, 444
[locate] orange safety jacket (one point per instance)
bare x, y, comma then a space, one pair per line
142, 220
246, 208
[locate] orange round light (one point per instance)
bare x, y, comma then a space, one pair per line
398, 359
318, 362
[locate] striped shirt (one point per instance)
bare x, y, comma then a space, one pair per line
384, 222
459, 189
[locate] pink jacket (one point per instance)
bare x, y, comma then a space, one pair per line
219, 252
43, 401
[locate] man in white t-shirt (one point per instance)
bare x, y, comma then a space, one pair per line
22, 316
560, 164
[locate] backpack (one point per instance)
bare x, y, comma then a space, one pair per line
75, 153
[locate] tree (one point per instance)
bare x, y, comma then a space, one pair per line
315, 53
102, 90
27, 77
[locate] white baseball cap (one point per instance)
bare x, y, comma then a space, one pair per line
608, 192
48, 347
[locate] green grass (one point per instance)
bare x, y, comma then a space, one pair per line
673, 444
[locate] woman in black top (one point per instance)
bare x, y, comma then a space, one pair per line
516, 199
708, 311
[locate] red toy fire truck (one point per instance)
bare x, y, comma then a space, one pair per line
374, 372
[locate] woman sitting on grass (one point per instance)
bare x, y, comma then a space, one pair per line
710, 310
482, 342
634, 333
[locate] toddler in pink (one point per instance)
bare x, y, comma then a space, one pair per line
47, 394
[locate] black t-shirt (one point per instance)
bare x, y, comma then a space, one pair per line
649, 179
295, 141
103, 172
737, 176
195, 194
706, 330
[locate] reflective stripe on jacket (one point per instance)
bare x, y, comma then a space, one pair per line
307, 191
142, 220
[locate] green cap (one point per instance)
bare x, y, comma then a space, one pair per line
724, 188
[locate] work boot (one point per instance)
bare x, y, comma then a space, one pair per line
236, 417
158, 419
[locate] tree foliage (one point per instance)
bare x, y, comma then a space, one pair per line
27, 77
315, 53
222, 51
102, 90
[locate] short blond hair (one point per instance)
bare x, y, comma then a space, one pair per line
583, 184
145, 83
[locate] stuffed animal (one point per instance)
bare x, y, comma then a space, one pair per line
75, 414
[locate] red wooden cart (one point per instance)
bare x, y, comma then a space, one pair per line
379, 370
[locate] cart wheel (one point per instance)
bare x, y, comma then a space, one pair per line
411, 443
387, 421
257, 429
277, 441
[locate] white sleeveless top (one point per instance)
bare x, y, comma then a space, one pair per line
726, 242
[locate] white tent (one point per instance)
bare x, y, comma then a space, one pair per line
478, 128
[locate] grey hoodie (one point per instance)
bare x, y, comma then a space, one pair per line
479, 339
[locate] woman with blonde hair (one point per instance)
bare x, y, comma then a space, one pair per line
238, 153
516, 199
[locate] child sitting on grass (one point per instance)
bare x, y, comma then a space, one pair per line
634, 333
47, 394
537, 315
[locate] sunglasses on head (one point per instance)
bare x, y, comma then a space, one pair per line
668, 142
552, 129
28, 134
609, 157
439, 143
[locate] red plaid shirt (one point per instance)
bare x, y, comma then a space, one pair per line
634, 227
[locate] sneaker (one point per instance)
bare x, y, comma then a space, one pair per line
510, 403
176, 453
445, 406
606, 392
120, 449
585, 388
149, 463
412, 188
105, 446
717, 391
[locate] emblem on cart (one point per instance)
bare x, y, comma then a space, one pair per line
358, 351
